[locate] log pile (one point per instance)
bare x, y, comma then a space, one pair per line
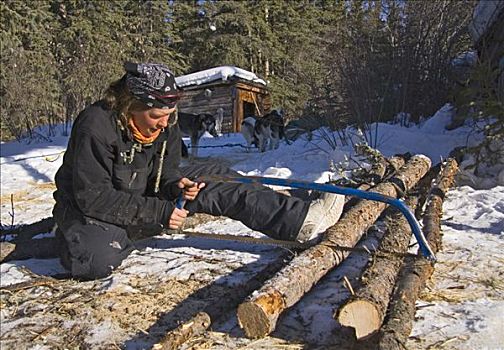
375, 323
201, 322
258, 315
365, 311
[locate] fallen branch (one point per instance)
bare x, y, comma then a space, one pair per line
399, 320
259, 314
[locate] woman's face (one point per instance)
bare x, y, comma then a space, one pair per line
150, 120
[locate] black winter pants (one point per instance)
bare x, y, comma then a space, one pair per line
94, 248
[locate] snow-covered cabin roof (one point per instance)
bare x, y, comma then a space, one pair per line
222, 73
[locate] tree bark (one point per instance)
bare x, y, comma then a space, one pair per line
196, 326
399, 320
385, 167
365, 311
259, 313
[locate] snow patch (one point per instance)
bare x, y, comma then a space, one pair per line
222, 73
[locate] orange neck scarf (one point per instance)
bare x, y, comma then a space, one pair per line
138, 136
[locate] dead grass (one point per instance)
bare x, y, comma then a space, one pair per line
219, 340
30, 194
63, 313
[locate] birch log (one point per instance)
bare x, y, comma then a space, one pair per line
259, 313
399, 320
364, 312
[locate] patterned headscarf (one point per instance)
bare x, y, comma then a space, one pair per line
153, 84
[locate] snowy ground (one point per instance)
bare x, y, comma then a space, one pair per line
462, 307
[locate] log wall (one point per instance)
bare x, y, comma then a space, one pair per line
230, 96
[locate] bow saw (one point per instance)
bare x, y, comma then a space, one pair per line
395, 202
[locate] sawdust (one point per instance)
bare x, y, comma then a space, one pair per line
140, 309
65, 313
43, 185
30, 194
219, 340
459, 286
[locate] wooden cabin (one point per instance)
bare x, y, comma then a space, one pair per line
238, 92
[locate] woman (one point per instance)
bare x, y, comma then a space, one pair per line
120, 178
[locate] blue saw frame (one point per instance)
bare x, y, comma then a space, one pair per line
347, 191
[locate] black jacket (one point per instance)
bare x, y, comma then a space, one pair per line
100, 179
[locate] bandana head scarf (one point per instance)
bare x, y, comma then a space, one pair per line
153, 84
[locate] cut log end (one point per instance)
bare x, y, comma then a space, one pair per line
362, 316
253, 320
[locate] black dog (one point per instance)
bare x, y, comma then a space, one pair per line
264, 132
195, 126
276, 125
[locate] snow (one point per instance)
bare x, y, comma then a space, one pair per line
485, 14
223, 73
462, 307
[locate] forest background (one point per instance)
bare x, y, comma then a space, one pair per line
345, 62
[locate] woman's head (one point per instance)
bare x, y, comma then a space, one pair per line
145, 89
153, 84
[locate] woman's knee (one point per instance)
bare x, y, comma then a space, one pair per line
98, 264
95, 250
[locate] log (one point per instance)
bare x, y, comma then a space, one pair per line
259, 313
380, 170
364, 312
399, 320
196, 326
199, 323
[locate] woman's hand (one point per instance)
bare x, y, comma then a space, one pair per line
177, 218
190, 188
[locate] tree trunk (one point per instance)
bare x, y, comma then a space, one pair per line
259, 314
399, 320
365, 311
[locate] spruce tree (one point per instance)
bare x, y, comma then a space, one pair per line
28, 90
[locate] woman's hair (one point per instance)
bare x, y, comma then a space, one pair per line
118, 98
